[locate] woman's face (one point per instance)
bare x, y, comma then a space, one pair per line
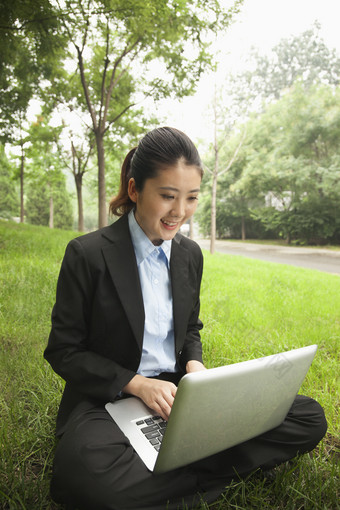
166, 201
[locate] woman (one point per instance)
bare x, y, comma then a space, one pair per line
126, 320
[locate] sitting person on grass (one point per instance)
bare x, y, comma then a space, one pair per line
122, 323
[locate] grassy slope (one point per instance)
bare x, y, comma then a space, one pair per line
29, 263
249, 308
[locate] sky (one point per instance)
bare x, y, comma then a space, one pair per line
262, 24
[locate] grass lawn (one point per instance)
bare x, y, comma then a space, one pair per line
249, 308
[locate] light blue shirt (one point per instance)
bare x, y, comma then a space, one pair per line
153, 262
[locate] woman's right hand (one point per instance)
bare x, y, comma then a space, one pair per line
157, 394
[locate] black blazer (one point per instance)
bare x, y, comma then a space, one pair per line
96, 338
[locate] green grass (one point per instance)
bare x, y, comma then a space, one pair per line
249, 308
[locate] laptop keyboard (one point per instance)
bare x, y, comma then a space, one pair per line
153, 428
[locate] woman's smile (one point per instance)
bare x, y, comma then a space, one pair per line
169, 224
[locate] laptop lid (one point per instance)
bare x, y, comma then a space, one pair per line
218, 408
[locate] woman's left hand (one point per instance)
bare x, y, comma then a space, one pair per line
194, 366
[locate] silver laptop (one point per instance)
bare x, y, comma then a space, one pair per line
214, 409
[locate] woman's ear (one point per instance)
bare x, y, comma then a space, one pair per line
132, 191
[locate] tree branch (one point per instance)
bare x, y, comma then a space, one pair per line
118, 116
85, 88
81, 168
106, 63
65, 26
87, 23
92, 144
208, 169
74, 156
235, 154
113, 81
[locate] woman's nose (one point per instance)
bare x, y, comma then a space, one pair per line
178, 209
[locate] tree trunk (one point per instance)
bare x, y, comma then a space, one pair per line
22, 166
191, 228
79, 186
214, 182
213, 213
51, 222
243, 229
102, 211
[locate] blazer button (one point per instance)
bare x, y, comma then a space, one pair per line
179, 354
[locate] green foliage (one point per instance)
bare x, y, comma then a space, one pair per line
9, 203
47, 187
63, 216
98, 59
287, 177
38, 205
249, 308
30, 48
232, 214
115, 46
288, 150
124, 41
294, 160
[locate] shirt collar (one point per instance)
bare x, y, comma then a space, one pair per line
142, 244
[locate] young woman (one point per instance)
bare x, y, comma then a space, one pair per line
126, 320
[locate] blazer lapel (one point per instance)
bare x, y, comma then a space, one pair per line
121, 262
179, 268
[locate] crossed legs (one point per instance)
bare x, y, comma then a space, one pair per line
95, 467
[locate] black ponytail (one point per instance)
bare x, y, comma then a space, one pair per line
122, 204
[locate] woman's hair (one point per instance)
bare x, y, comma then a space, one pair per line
159, 149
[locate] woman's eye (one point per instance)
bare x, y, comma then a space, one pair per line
168, 197
191, 199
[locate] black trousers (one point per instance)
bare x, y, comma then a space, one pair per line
95, 467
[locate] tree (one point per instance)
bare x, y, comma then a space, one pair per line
30, 49
80, 159
305, 57
38, 204
222, 129
273, 166
22, 141
233, 206
76, 158
293, 163
45, 164
285, 181
109, 37
9, 205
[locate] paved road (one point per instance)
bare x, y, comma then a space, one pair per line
320, 259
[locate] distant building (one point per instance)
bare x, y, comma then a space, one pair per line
280, 203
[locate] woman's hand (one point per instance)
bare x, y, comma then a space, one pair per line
157, 394
194, 366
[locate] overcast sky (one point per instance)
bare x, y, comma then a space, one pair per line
261, 23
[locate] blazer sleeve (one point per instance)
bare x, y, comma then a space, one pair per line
88, 372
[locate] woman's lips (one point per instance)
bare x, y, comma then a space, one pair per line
170, 225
